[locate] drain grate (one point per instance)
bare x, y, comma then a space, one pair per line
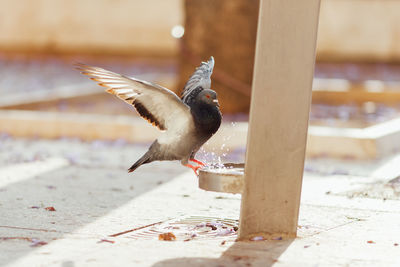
193, 227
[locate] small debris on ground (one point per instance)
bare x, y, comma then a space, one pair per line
192, 236
257, 238
238, 258
306, 246
51, 187
106, 241
277, 238
203, 224
167, 237
395, 244
225, 232
213, 227
223, 242
50, 209
16, 237
370, 242
115, 189
355, 219
37, 243
35, 207
34, 242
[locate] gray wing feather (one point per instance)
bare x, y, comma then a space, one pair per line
156, 104
200, 78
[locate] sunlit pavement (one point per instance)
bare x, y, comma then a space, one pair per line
104, 216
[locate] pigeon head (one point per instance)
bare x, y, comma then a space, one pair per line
208, 96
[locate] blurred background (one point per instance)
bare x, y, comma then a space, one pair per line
356, 85
66, 145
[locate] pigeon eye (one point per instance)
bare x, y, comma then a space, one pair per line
208, 96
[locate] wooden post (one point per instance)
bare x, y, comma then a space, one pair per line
280, 103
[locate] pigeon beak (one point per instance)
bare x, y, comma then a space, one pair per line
216, 102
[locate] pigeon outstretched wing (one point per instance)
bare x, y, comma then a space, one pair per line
200, 79
156, 104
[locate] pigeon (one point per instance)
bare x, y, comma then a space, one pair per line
186, 123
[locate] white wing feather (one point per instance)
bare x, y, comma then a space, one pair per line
158, 105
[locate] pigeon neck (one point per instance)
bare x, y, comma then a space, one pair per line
206, 117
191, 98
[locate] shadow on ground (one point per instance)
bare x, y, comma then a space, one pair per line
80, 192
256, 253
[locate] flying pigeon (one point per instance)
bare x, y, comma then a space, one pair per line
187, 122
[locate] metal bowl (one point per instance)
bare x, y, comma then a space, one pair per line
228, 179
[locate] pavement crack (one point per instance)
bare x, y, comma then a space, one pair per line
135, 229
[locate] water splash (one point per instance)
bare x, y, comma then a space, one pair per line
215, 157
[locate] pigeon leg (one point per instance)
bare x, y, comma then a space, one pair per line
198, 162
193, 168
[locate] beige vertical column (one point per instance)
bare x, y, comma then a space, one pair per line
280, 103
